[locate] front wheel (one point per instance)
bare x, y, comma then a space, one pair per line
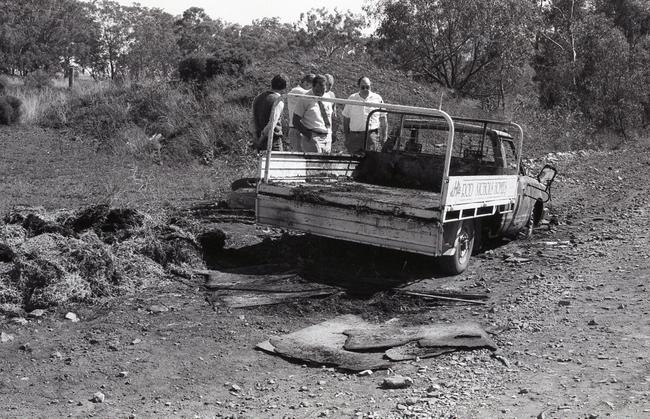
534, 218
463, 247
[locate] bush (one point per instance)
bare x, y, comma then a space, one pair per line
231, 61
192, 69
39, 79
159, 120
11, 109
199, 70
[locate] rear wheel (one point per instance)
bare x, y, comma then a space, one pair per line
463, 248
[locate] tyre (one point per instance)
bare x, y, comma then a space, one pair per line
463, 248
244, 183
533, 220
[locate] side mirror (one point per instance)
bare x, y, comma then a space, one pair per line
547, 175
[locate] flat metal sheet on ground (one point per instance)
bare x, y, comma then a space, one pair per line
412, 351
239, 291
456, 335
323, 344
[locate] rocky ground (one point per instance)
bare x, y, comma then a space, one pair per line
568, 310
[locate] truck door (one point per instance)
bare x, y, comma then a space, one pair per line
518, 219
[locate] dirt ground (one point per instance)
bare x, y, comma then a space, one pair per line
568, 310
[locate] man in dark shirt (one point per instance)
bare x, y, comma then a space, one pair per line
267, 109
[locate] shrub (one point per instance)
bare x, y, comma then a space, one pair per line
192, 69
39, 79
230, 61
141, 145
199, 70
159, 120
11, 109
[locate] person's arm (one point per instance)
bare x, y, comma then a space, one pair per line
346, 125
297, 124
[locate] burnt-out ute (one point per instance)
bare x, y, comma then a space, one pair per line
440, 186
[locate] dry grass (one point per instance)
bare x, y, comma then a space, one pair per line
44, 167
37, 102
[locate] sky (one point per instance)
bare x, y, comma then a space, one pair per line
245, 11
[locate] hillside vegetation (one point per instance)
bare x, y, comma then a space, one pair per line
575, 74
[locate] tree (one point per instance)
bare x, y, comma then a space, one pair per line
114, 36
330, 32
631, 16
584, 61
556, 59
455, 42
46, 34
197, 33
263, 38
606, 83
153, 48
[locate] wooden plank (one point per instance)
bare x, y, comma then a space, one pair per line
277, 283
396, 201
443, 297
243, 299
354, 232
375, 229
443, 292
287, 165
356, 215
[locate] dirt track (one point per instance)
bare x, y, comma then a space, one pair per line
572, 324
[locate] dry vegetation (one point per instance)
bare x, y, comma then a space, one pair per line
213, 123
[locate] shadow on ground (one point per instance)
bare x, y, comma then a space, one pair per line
360, 269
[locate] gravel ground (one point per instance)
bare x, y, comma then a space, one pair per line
568, 310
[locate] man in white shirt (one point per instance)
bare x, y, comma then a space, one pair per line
354, 120
329, 93
294, 134
313, 119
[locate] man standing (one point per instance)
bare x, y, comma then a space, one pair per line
294, 134
313, 118
267, 109
354, 120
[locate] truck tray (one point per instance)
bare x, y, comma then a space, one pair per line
402, 219
360, 196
